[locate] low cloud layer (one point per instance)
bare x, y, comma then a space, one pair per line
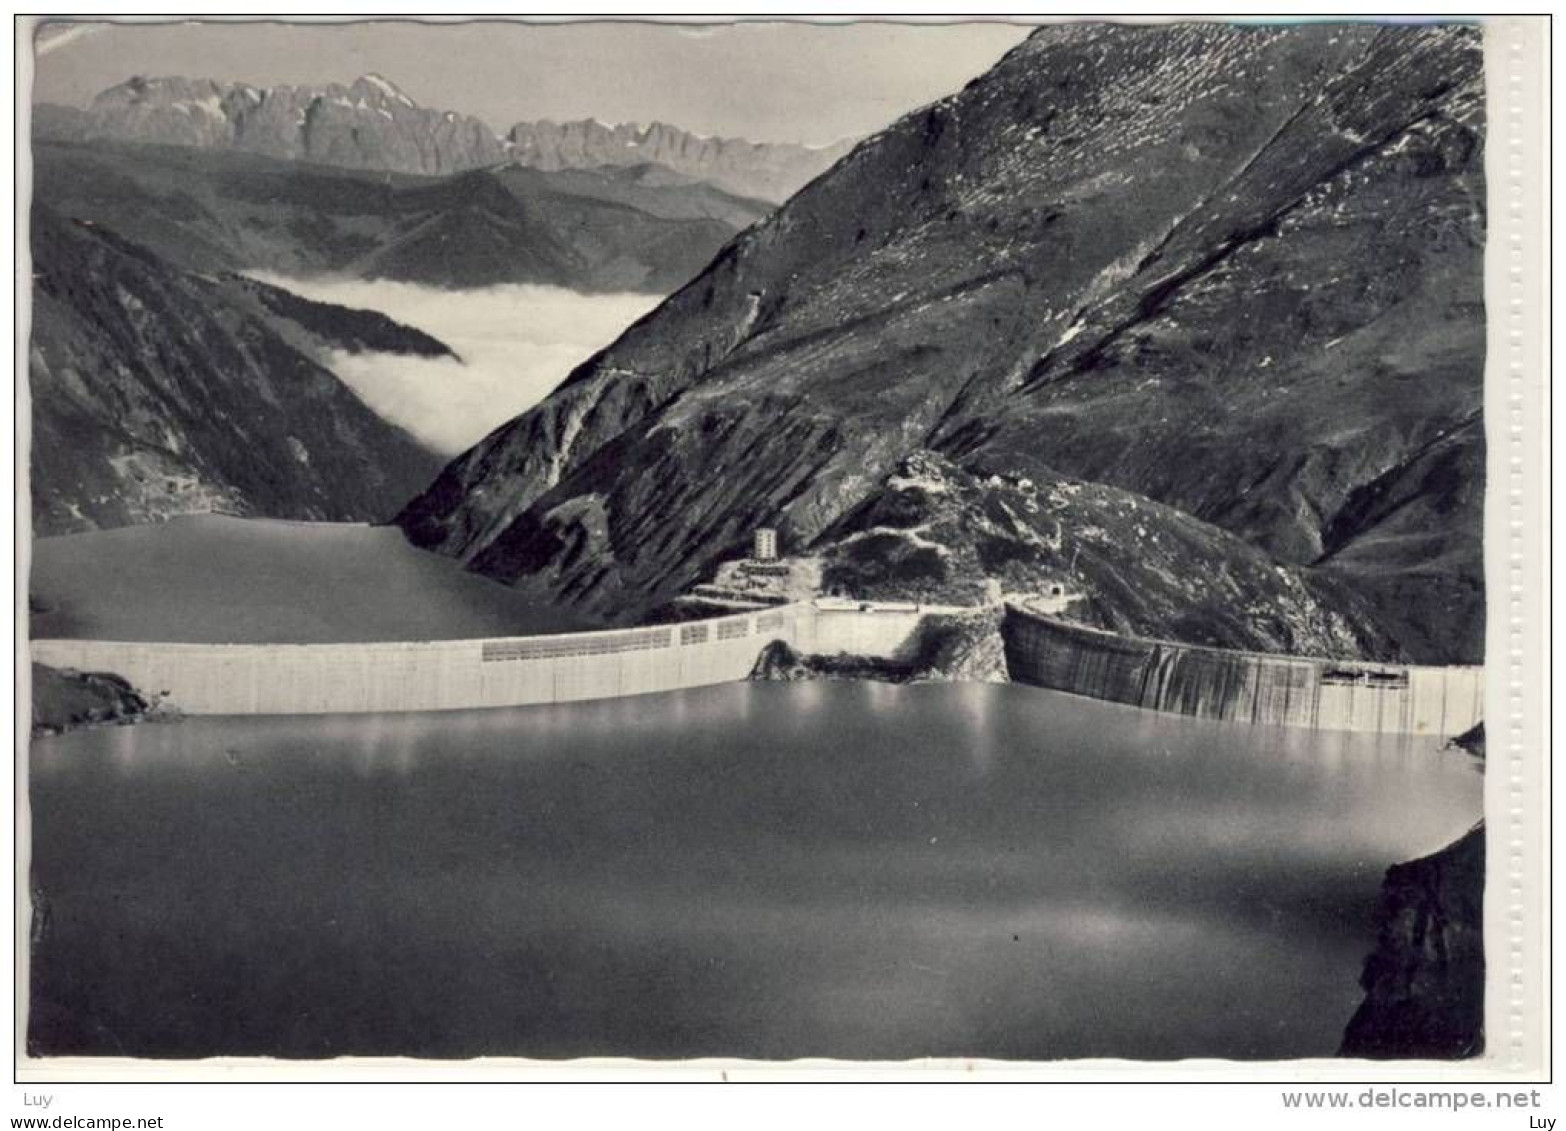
516, 342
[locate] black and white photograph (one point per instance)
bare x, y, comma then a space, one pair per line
766, 540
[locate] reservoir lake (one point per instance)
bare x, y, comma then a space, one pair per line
852, 870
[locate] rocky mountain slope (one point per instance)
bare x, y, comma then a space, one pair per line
936, 533
371, 124
618, 230
1233, 271
158, 391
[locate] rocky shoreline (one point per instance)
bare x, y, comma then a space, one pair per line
65, 700
1424, 982
948, 648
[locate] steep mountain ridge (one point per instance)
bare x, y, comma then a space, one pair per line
157, 392
1232, 270
371, 124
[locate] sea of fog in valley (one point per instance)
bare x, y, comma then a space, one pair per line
516, 343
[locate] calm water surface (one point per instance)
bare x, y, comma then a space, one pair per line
217, 579
768, 870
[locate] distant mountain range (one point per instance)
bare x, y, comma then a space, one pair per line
1190, 316
637, 228
371, 124
768, 170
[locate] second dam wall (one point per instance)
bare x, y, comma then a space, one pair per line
1249, 687
273, 679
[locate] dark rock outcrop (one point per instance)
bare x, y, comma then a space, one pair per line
65, 700
780, 663
947, 648
157, 391
962, 648
1231, 271
1471, 740
1424, 983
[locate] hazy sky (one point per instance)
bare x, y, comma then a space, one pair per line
768, 81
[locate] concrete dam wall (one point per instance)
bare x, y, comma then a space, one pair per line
277, 679
1252, 687
243, 679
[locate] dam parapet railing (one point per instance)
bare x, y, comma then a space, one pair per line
1235, 686
295, 679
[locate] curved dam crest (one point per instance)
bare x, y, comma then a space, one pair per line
1257, 688
302, 679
